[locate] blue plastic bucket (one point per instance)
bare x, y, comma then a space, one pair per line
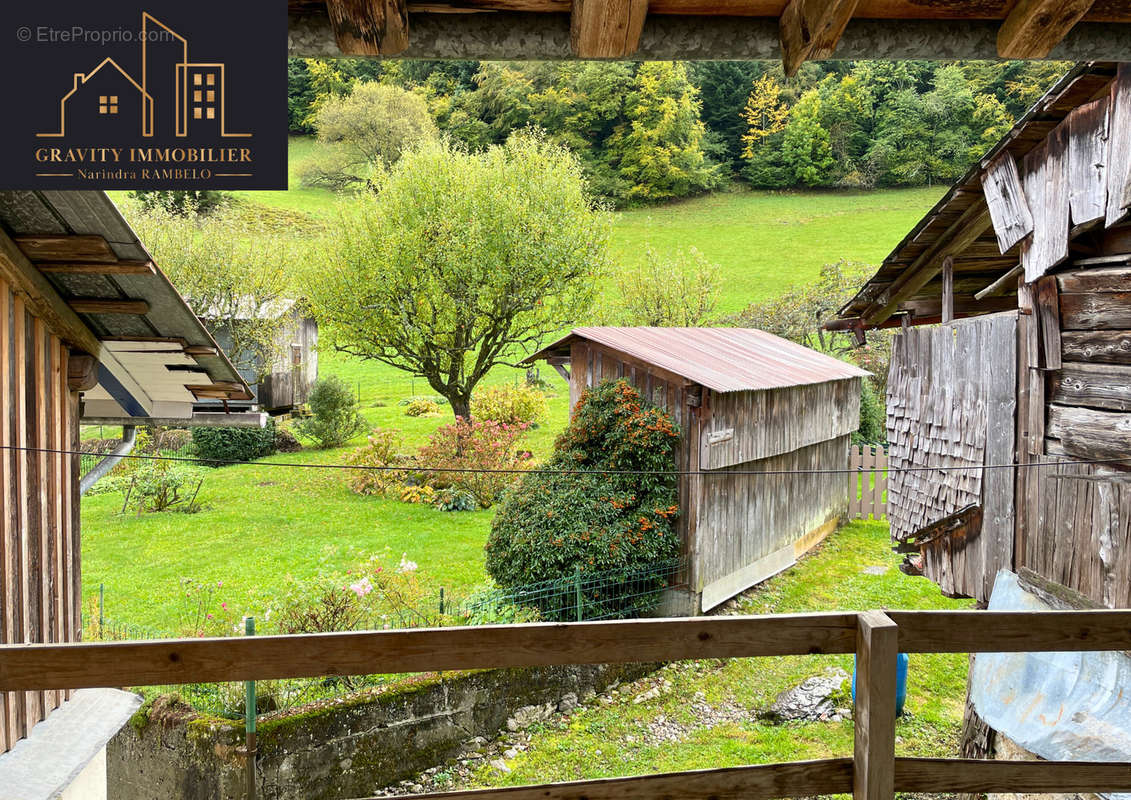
900, 682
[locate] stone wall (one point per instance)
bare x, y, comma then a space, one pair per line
337, 749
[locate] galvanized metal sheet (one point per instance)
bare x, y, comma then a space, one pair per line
1059, 706
721, 359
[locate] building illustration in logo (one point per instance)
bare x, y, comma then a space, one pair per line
175, 95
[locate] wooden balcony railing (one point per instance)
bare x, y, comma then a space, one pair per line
875, 637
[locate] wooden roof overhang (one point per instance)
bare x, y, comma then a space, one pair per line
794, 30
908, 286
138, 349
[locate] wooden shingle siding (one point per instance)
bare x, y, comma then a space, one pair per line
39, 545
952, 404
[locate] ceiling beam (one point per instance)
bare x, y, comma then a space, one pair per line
42, 299
97, 267
965, 231
66, 248
98, 305
810, 30
369, 27
1034, 27
606, 28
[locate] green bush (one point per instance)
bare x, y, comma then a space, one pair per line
218, 445
382, 450
335, 418
161, 486
519, 404
422, 407
873, 416
456, 499
570, 515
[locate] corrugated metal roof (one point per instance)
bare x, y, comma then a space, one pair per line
721, 359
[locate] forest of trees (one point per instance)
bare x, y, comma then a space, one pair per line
655, 131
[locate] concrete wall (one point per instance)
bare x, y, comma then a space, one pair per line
342, 748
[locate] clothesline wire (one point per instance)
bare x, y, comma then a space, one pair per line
536, 470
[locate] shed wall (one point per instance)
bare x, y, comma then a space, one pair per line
951, 404
39, 503
739, 529
1074, 519
750, 527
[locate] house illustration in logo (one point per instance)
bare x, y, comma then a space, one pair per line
175, 95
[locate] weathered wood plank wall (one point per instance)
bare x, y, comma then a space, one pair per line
750, 527
39, 544
951, 404
730, 524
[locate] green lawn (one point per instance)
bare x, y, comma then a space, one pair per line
263, 523
613, 740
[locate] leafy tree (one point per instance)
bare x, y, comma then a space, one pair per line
463, 261
234, 272
724, 87
765, 115
373, 125
181, 202
658, 149
676, 291
805, 144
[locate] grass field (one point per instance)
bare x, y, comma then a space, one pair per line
714, 707
263, 523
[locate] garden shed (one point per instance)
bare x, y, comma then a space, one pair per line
745, 401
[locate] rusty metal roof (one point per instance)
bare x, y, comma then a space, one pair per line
721, 359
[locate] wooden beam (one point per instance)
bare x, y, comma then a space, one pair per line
1034, 27
97, 305
369, 27
200, 350
66, 248
363, 653
98, 267
1048, 316
760, 782
1012, 631
1007, 282
810, 29
42, 299
82, 372
606, 28
877, 647
948, 289
962, 775
965, 231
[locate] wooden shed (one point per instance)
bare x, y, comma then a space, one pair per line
90, 329
1027, 263
284, 383
745, 401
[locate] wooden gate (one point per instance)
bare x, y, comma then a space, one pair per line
951, 405
867, 482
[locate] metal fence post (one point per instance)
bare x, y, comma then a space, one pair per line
441, 601
101, 608
577, 590
249, 719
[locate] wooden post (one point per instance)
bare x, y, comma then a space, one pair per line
948, 289
877, 645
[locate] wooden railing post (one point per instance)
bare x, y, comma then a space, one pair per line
877, 646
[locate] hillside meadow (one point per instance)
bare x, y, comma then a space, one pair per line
263, 524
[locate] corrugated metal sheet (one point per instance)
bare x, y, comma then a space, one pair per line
720, 359
1059, 706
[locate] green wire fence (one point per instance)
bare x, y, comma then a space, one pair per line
579, 596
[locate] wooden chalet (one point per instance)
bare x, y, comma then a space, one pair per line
1027, 263
89, 328
745, 401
